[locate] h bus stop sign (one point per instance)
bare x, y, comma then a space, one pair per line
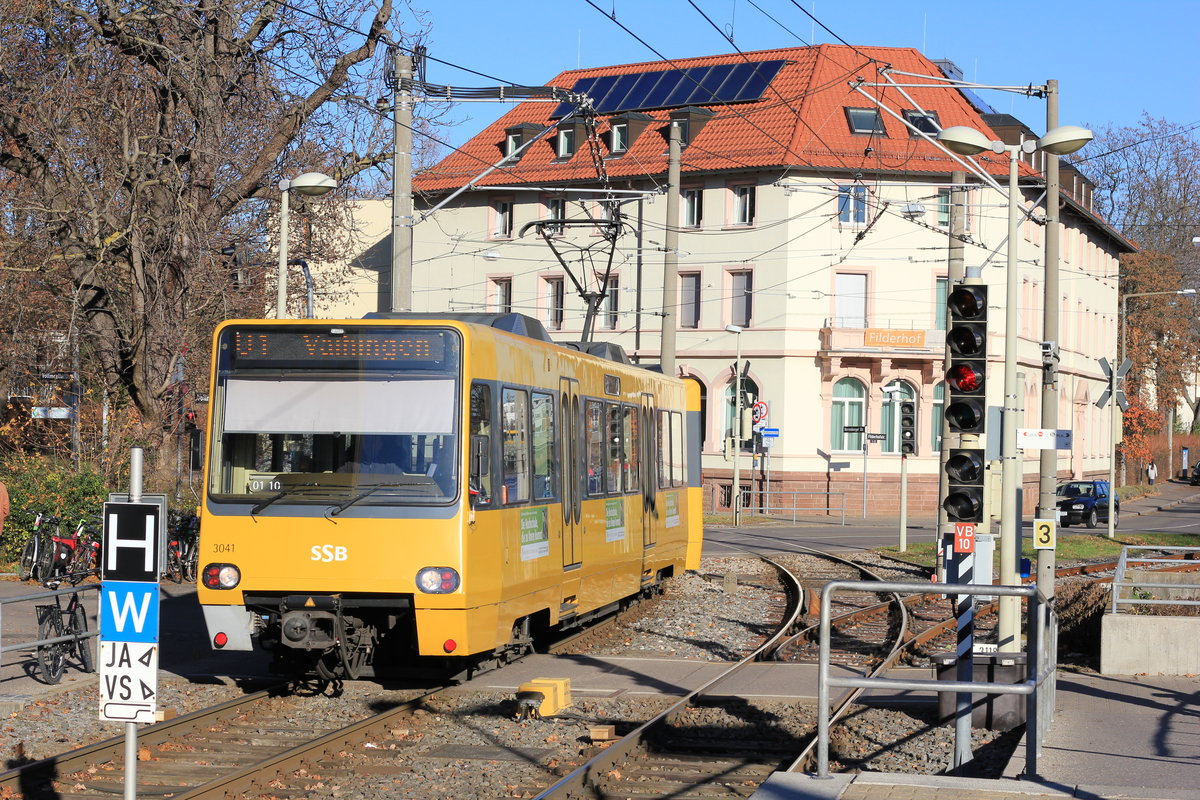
129, 613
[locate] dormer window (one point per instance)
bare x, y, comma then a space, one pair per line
620, 137
515, 137
624, 129
690, 121
924, 121
565, 146
512, 143
865, 120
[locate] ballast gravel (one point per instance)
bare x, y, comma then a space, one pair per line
721, 613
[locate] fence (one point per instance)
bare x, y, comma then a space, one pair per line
1130, 586
767, 507
50, 593
1042, 641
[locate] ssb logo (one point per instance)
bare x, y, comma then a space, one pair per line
326, 553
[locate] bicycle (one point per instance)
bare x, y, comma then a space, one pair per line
37, 557
73, 554
57, 622
85, 544
183, 554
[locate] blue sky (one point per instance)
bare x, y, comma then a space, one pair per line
1113, 60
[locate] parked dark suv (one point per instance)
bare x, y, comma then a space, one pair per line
1195, 480
1086, 503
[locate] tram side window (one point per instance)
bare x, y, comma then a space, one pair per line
664, 450
481, 425
616, 449
594, 443
678, 477
514, 410
632, 448
544, 474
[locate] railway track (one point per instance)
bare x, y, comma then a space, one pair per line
706, 746
223, 751
703, 746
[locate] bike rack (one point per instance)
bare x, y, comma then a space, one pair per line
49, 593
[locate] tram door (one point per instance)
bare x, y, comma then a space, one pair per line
572, 469
648, 442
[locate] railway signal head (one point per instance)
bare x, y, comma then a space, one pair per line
966, 372
965, 472
908, 427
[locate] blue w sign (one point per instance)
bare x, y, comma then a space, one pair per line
129, 611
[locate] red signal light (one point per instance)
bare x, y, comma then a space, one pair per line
964, 378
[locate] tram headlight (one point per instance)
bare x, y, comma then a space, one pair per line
438, 580
220, 576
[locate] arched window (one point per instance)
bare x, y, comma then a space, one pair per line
749, 395
894, 393
849, 409
937, 415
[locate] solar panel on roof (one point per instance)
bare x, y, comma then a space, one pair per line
657, 97
695, 86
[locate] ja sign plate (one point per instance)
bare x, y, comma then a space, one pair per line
128, 681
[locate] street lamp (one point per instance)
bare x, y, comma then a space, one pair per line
311, 184
967, 141
735, 501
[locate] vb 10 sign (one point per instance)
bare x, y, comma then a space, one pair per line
964, 537
129, 613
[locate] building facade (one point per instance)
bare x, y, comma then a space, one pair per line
814, 215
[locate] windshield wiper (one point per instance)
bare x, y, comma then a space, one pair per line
280, 495
363, 495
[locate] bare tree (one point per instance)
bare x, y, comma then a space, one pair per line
142, 139
1148, 183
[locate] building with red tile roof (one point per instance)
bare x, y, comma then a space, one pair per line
815, 213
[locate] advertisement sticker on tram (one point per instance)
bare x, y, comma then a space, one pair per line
535, 535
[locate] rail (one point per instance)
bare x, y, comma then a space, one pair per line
1130, 586
49, 593
766, 508
1042, 640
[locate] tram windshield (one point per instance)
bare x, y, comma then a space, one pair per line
338, 417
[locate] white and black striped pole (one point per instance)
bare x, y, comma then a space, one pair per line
963, 567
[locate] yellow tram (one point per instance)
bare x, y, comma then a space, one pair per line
386, 491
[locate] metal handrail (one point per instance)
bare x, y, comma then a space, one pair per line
1042, 633
767, 509
25, 598
1120, 582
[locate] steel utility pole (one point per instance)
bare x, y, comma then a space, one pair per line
1048, 470
671, 256
402, 209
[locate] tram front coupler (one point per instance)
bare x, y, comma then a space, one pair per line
310, 622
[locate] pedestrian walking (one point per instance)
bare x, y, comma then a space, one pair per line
1152, 471
3, 505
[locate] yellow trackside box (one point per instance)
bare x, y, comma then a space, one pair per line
555, 691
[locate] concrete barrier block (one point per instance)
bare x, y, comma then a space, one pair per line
1131, 644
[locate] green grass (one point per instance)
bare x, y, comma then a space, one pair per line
1074, 547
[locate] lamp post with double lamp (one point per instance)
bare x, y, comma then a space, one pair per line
735, 499
969, 142
312, 184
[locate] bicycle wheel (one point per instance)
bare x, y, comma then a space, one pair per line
83, 559
44, 566
191, 560
79, 627
28, 556
52, 658
174, 569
